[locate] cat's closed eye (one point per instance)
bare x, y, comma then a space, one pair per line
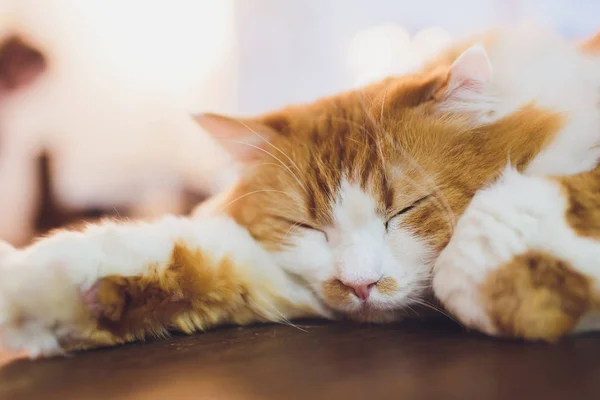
305, 226
312, 228
405, 210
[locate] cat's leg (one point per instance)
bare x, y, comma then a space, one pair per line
114, 283
524, 260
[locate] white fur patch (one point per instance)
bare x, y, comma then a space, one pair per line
358, 236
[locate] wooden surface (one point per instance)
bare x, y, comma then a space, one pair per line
321, 361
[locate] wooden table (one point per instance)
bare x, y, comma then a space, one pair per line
435, 360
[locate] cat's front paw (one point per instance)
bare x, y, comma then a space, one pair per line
40, 309
499, 273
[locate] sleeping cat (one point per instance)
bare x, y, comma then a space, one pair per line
342, 209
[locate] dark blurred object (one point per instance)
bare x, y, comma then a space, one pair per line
20, 63
52, 214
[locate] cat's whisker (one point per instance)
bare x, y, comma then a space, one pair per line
408, 306
278, 165
289, 231
223, 207
272, 145
285, 321
424, 303
278, 316
275, 157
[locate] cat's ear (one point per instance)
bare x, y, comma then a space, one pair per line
450, 87
468, 75
243, 138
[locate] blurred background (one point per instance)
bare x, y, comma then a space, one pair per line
95, 94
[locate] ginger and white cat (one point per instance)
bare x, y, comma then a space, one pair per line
342, 210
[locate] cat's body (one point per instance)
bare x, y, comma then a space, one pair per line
341, 212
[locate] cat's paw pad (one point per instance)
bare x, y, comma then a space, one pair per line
500, 223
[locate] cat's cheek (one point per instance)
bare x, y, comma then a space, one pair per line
409, 257
307, 255
405, 244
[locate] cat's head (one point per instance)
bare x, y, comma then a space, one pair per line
356, 194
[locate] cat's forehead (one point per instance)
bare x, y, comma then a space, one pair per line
340, 147
356, 207
345, 165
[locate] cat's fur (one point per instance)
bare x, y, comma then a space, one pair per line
342, 210
524, 258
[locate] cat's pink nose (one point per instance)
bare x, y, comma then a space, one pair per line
361, 290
